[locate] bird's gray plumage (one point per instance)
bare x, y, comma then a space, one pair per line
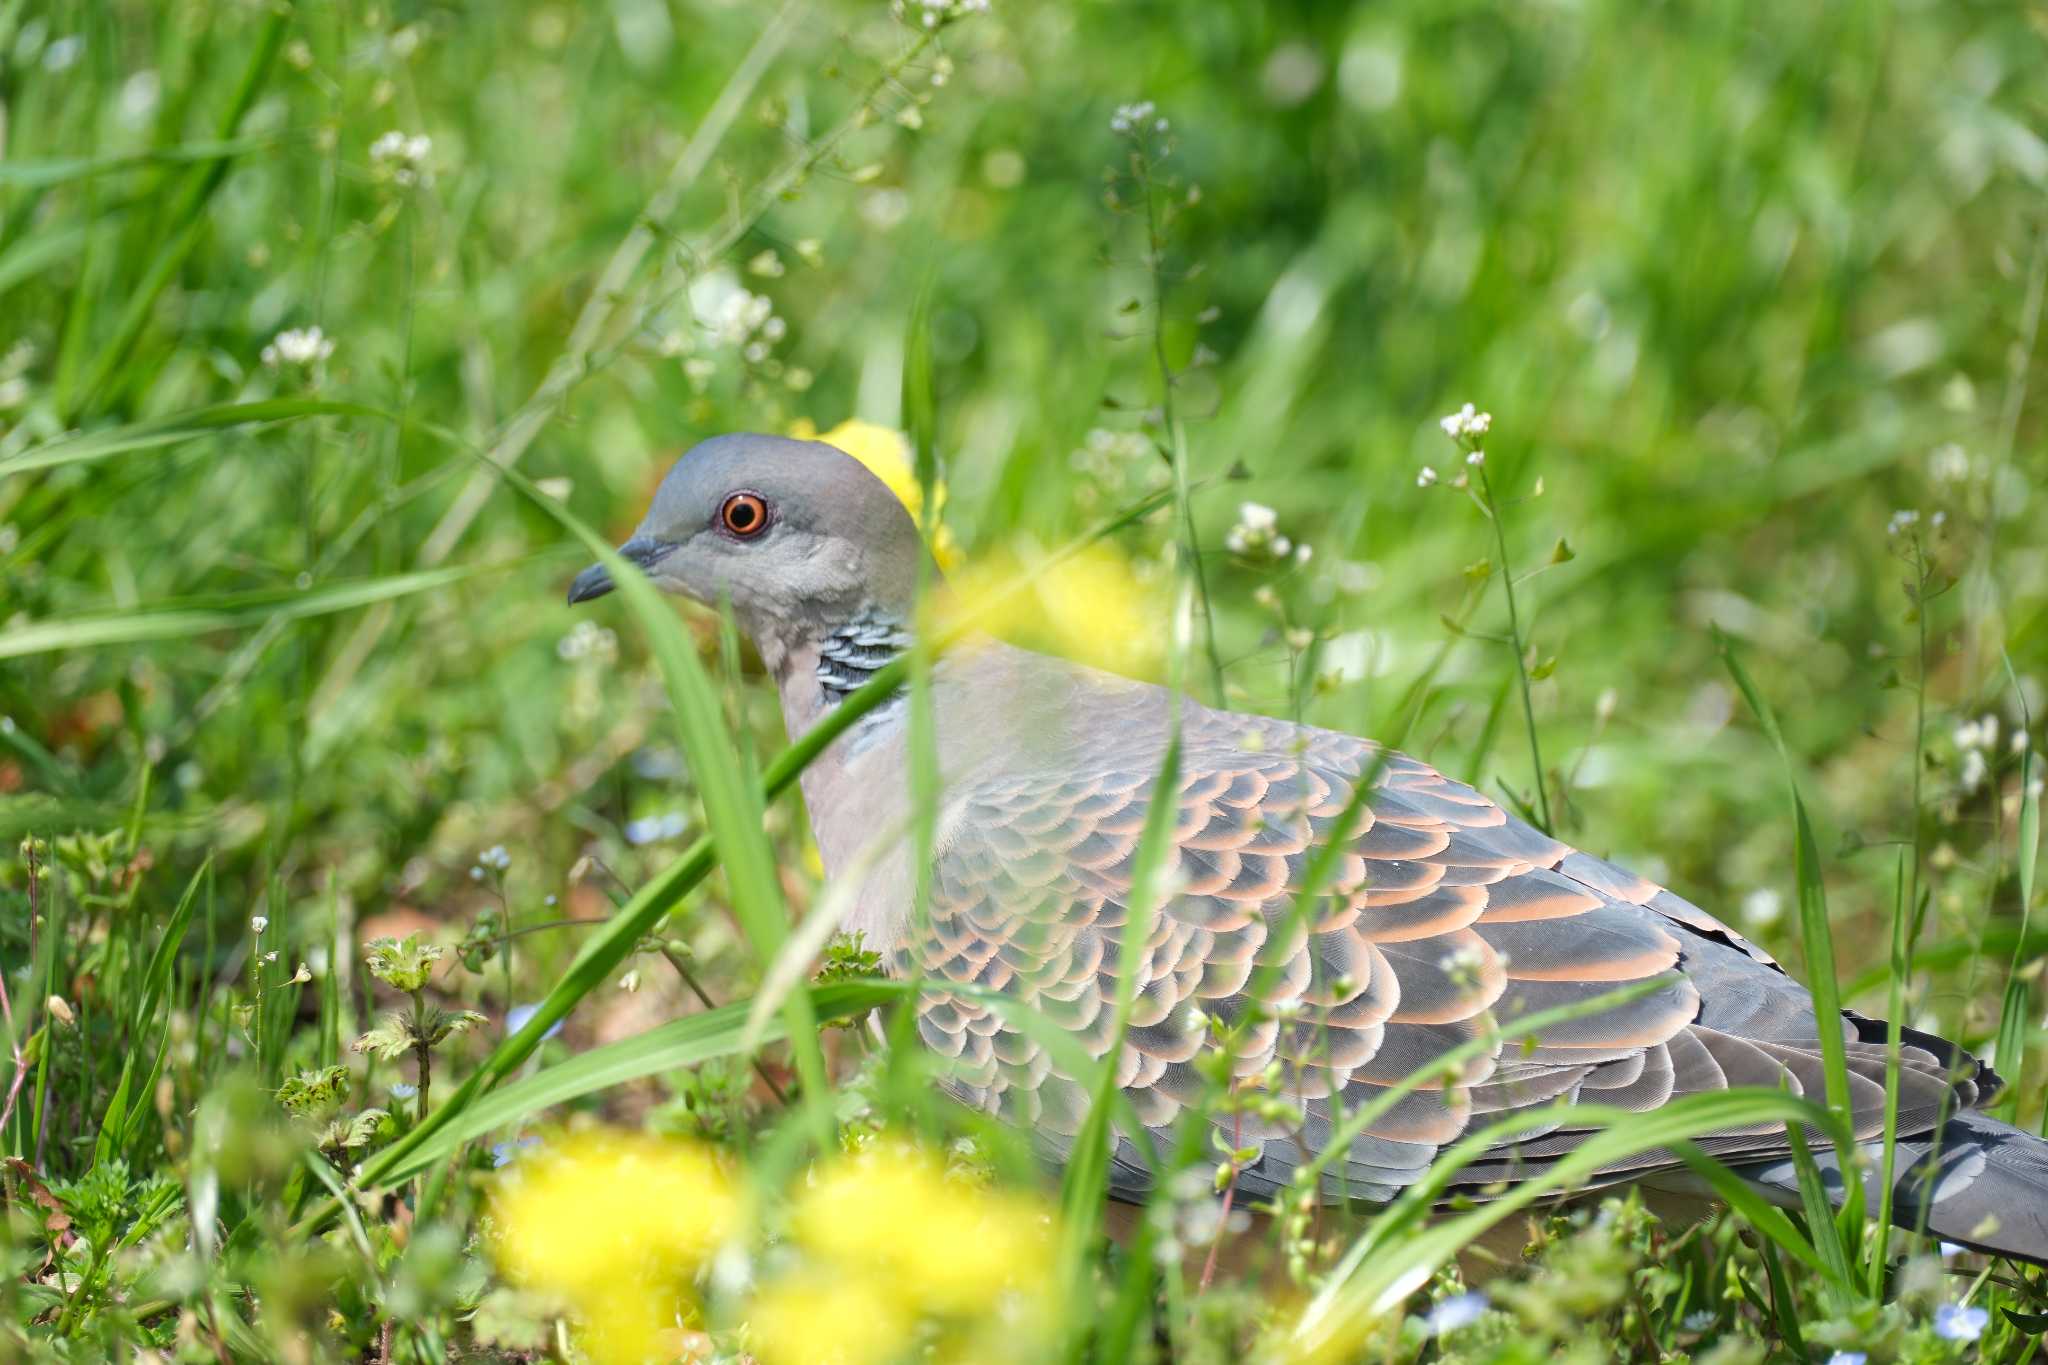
1442, 914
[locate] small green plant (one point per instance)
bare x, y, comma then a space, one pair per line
406, 965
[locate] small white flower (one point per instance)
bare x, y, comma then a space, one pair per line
1699, 1320
1425, 478
270, 956
1133, 115
1848, 1358
258, 923
1463, 966
301, 346
1948, 463
403, 158
1257, 535
1974, 770
1466, 421
495, 857
1762, 907
1477, 457
1902, 520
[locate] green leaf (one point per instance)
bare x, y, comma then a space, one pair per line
42, 174
118, 1126
688, 1041
314, 1094
1379, 1271
202, 616
1085, 1183
390, 1040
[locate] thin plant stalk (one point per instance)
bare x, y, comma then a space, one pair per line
1507, 584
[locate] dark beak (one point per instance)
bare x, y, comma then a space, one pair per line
596, 580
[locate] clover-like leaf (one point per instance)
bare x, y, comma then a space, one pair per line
346, 1135
403, 964
314, 1094
393, 1037
441, 1025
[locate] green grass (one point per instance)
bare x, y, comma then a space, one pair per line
278, 642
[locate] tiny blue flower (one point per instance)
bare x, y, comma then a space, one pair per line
1699, 1320
516, 1017
1952, 1322
1461, 1310
654, 828
1848, 1358
503, 1154
401, 1091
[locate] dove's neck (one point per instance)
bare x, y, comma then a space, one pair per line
816, 671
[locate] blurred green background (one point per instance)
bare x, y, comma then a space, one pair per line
1738, 283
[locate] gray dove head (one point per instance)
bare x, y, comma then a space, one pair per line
797, 535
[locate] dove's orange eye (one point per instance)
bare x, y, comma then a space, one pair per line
744, 514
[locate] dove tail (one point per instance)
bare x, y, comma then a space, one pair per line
1984, 1185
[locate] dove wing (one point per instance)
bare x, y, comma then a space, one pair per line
1443, 914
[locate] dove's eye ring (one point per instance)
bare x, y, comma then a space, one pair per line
744, 515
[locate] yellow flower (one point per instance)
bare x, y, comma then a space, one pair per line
617, 1224
1090, 606
888, 457
890, 1242
813, 1319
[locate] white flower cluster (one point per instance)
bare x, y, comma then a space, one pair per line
588, 640
300, 346
1257, 536
1465, 426
1467, 422
1136, 117
932, 13
735, 316
1974, 741
403, 157
1948, 463
1906, 518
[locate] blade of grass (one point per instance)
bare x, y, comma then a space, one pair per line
1375, 1276
118, 1124
732, 805
158, 432
183, 222
232, 611
1086, 1181
1815, 934
690, 1041
43, 174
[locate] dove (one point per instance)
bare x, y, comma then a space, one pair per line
1442, 916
